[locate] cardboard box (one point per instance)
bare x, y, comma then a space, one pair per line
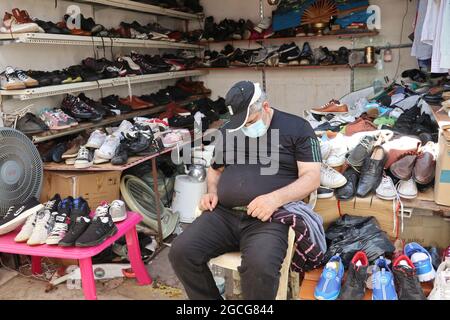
442, 178
92, 186
427, 230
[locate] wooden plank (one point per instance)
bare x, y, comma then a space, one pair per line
442, 118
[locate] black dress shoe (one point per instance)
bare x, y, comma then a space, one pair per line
347, 192
371, 172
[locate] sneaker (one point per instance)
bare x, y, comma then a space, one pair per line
85, 158
101, 228
362, 150
108, 148
263, 24
97, 159
325, 149
441, 290
27, 229
96, 139
355, 284
77, 228
421, 259
383, 281
26, 79
118, 211
123, 128
330, 178
121, 155
80, 208
44, 222
10, 81
339, 149
386, 189
333, 107
61, 225
406, 280
324, 193
407, 189
17, 214
171, 139
329, 285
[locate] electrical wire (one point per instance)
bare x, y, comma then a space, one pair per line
401, 38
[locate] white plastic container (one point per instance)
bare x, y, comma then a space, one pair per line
186, 197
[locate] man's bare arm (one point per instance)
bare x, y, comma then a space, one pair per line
210, 199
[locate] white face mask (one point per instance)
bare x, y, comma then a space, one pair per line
256, 130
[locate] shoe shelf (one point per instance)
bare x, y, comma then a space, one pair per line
40, 92
297, 67
53, 134
145, 8
341, 35
57, 39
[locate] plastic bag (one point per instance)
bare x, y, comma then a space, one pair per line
350, 234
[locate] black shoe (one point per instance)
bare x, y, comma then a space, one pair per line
347, 192
65, 206
306, 55
328, 57
58, 151
289, 53
371, 172
324, 193
78, 109
363, 150
355, 284
98, 106
30, 124
100, 229
114, 104
77, 228
406, 281
80, 208
121, 154
17, 215
342, 55
138, 144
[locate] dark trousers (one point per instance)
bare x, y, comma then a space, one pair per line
263, 247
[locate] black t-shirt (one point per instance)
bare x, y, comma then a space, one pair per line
254, 168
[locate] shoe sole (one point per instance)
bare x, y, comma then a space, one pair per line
52, 242
66, 244
427, 276
98, 241
13, 224
120, 219
407, 196
322, 298
325, 113
83, 165
385, 198
335, 164
17, 86
335, 186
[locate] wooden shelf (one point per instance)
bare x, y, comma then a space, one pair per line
297, 67
53, 134
342, 35
57, 39
40, 92
144, 8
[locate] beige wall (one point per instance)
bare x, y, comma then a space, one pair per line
295, 91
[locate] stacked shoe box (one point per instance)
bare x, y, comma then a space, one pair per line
95, 187
311, 279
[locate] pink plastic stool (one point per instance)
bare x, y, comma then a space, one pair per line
84, 255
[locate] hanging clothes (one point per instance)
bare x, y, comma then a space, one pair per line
445, 37
421, 50
436, 57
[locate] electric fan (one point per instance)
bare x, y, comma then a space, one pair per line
21, 169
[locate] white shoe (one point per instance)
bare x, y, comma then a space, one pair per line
43, 227
263, 24
325, 149
96, 139
98, 159
59, 229
441, 290
339, 149
102, 209
124, 127
108, 148
27, 229
330, 178
386, 189
407, 189
118, 211
85, 158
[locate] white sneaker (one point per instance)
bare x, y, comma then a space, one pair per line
263, 24
108, 148
339, 149
118, 211
98, 159
59, 229
96, 139
441, 290
43, 227
124, 127
330, 178
386, 189
102, 209
85, 158
407, 189
325, 149
341, 119
27, 229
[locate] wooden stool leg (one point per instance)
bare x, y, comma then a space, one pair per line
134, 254
87, 279
36, 266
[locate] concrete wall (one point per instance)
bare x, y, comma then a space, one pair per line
294, 90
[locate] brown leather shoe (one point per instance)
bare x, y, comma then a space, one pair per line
360, 125
136, 103
403, 168
399, 147
333, 107
423, 172
73, 147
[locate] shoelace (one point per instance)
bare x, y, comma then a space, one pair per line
59, 227
397, 202
83, 153
21, 75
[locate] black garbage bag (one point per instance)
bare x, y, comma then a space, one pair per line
350, 234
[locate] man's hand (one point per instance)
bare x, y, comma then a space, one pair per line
208, 202
263, 207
